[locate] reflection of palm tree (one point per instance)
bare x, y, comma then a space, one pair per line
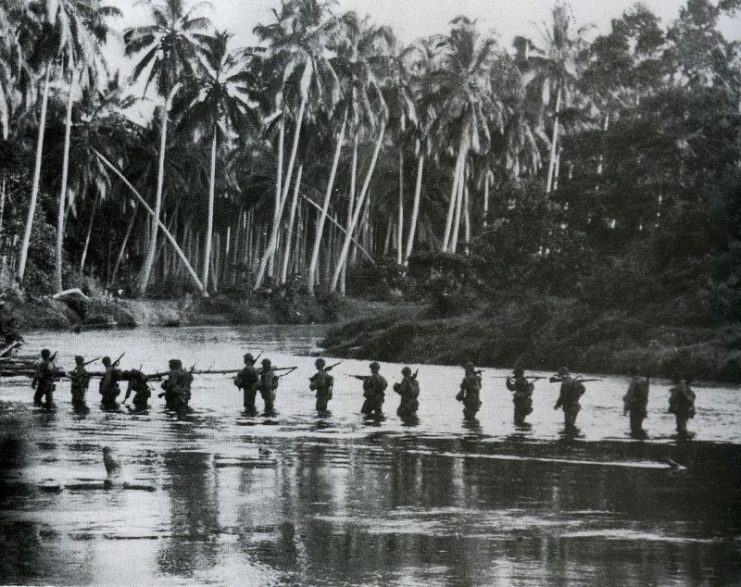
172, 48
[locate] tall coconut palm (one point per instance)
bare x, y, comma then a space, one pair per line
220, 105
299, 41
172, 48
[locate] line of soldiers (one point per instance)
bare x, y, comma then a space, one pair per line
265, 380
176, 386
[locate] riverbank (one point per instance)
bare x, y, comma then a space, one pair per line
545, 336
46, 313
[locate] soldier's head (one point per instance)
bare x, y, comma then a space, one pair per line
406, 371
79, 360
518, 372
319, 363
107, 361
374, 367
676, 378
45, 354
266, 364
563, 372
175, 363
468, 366
249, 359
634, 370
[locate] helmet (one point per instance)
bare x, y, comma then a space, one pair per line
79, 359
266, 362
676, 378
175, 363
46, 353
406, 371
319, 363
375, 366
563, 372
249, 358
518, 372
106, 361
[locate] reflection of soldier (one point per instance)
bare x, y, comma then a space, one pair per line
177, 386
408, 389
246, 380
138, 384
635, 401
109, 388
568, 397
681, 402
470, 391
522, 395
80, 380
374, 388
323, 383
267, 385
43, 379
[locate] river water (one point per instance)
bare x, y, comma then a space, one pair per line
217, 497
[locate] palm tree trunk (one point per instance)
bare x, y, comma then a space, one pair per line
466, 220
350, 205
358, 209
83, 258
281, 200
453, 246
161, 226
122, 251
63, 191
152, 247
25, 243
415, 207
325, 208
554, 145
210, 219
486, 200
400, 228
291, 222
453, 196
278, 183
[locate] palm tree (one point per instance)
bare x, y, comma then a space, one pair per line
298, 41
84, 25
219, 106
173, 48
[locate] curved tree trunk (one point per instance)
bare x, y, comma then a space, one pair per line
453, 197
125, 242
291, 222
350, 205
358, 209
453, 245
554, 145
58, 286
152, 246
161, 226
325, 208
400, 228
36, 178
85, 248
210, 219
415, 207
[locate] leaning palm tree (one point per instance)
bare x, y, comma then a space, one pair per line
173, 48
220, 105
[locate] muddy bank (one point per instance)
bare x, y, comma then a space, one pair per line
546, 336
106, 312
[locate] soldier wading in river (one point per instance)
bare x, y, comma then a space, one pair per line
267, 385
681, 403
43, 379
109, 388
374, 388
470, 391
138, 384
408, 389
177, 386
246, 380
522, 395
80, 380
323, 383
568, 397
635, 402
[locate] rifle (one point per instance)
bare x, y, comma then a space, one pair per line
117, 361
90, 362
288, 371
332, 366
577, 379
361, 377
415, 374
533, 377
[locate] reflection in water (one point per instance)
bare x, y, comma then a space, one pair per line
308, 499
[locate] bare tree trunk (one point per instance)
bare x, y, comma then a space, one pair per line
122, 251
453, 247
279, 181
59, 249
291, 223
466, 220
400, 228
350, 205
457, 178
152, 248
554, 145
356, 215
210, 217
415, 207
387, 240
25, 243
83, 258
325, 208
486, 199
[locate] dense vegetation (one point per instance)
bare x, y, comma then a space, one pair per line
596, 177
